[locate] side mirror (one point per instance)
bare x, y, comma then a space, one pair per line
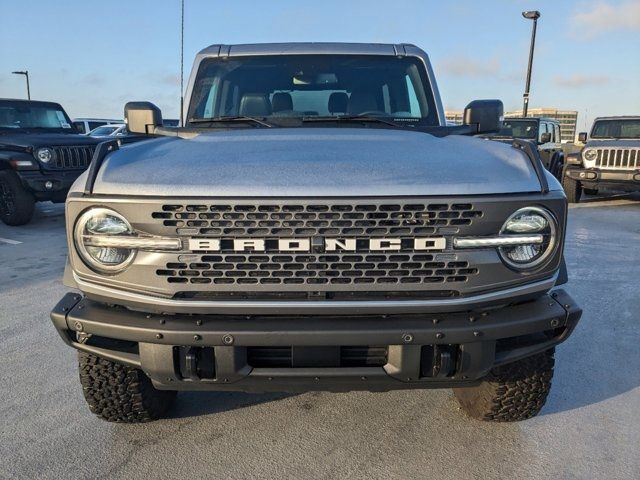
545, 137
486, 115
582, 137
142, 117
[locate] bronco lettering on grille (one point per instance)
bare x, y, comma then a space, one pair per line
317, 244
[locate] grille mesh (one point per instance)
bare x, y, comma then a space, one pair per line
73, 157
388, 270
315, 219
317, 269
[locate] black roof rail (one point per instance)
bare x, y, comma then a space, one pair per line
99, 155
534, 156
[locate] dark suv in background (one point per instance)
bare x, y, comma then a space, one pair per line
41, 155
544, 132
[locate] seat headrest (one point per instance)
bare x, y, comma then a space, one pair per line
360, 102
338, 102
281, 101
255, 104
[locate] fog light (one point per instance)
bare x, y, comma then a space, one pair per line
48, 184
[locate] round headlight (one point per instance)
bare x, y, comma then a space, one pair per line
44, 154
539, 224
92, 229
590, 154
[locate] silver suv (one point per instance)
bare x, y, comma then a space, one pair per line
315, 225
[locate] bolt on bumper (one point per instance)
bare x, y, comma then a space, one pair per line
473, 342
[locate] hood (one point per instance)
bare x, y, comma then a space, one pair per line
287, 162
36, 139
612, 143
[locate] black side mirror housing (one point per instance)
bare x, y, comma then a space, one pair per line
142, 117
582, 137
486, 115
545, 137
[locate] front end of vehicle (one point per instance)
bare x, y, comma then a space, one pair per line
315, 226
52, 169
610, 159
41, 156
296, 294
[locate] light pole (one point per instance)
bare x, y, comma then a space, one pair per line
530, 15
26, 74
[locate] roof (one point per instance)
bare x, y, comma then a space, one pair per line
24, 100
620, 117
546, 119
305, 48
86, 119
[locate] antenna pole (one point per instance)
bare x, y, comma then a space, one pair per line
182, 63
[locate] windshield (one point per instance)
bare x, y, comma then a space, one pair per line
25, 116
297, 86
519, 129
628, 128
103, 131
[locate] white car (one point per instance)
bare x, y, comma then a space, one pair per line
85, 125
112, 130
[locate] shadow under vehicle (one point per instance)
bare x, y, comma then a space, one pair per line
41, 155
544, 132
610, 158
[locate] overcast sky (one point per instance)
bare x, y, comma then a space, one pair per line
92, 57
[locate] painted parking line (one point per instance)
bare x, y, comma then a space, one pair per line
9, 241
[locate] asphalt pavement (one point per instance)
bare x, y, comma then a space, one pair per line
590, 427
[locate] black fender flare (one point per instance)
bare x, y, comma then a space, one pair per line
556, 166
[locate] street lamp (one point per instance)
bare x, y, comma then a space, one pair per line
26, 74
530, 15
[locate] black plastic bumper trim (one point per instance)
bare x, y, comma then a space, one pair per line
157, 335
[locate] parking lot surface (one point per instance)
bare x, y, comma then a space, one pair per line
590, 427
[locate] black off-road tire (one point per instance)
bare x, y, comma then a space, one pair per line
16, 203
118, 393
590, 191
512, 392
572, 189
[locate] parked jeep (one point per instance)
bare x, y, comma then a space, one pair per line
544, 132
315, 225
610, 158
41, 155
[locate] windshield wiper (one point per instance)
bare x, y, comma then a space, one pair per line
237, 118
353, 118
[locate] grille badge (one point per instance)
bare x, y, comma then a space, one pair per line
316, 244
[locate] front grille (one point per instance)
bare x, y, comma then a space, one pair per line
281, 220
73, 157
397, 270
618, 158
318, 269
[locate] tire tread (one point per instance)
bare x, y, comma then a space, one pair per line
510, 393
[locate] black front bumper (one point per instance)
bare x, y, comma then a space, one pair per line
36, 181
299, 353
592, 178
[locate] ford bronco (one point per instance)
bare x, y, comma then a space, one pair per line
610, 158
315, 225
41, 155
